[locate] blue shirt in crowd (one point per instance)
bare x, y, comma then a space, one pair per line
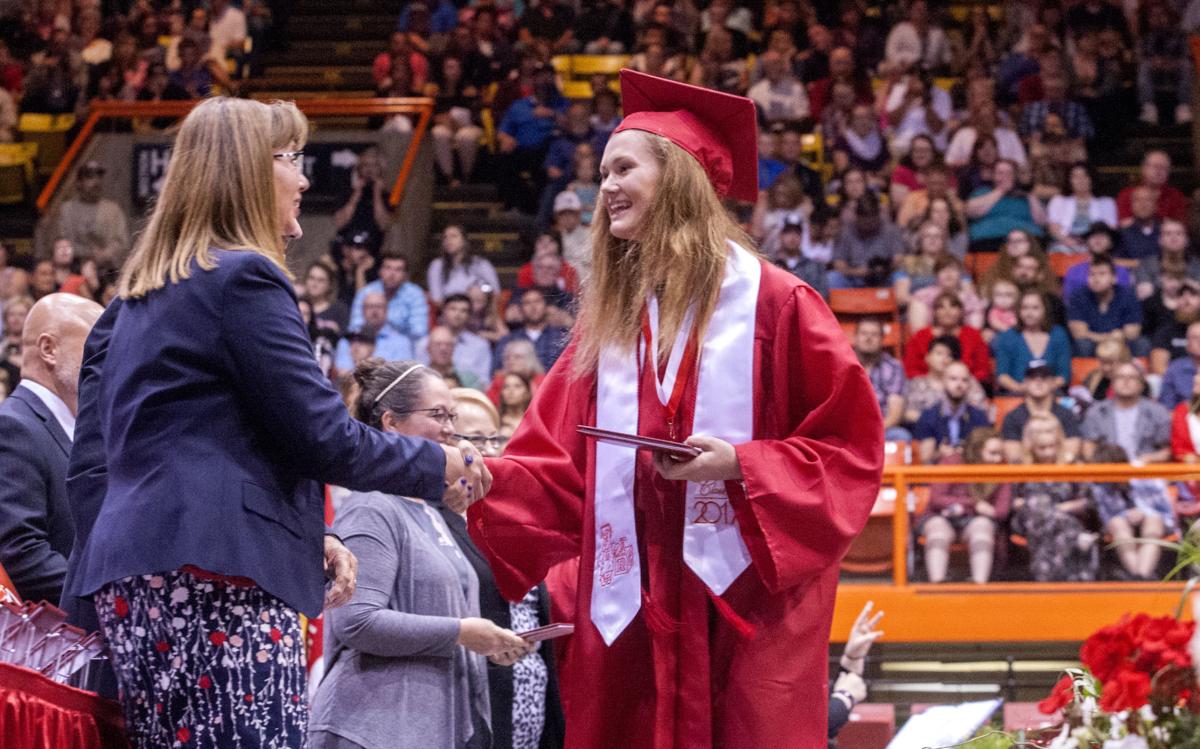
1177, 382
947, 425
1083, 306
1012, 353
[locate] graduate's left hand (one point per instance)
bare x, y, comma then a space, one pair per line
717, 462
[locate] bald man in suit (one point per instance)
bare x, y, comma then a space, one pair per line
37, 425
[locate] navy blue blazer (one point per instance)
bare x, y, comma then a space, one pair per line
217, 431
36, 529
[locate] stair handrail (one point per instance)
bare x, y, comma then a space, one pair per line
422, 106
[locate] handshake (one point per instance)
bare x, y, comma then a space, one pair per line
467, 478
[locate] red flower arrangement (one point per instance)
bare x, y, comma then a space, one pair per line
1137, 662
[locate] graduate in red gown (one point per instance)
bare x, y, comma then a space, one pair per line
705, 587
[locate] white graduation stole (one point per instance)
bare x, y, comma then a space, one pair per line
712, 543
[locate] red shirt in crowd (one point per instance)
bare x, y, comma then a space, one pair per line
974, 353
1171, 204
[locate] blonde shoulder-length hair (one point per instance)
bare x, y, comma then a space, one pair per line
219, 192
680, 256
1042, 424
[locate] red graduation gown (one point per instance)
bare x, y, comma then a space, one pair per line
680, 675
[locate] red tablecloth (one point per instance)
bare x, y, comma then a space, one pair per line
36, 713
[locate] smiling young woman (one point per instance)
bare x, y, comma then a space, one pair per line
683, 330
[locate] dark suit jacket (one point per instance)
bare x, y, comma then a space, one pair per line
492, 606
217, 430
36, 529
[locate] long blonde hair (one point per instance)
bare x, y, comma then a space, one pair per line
680, 256
219, 192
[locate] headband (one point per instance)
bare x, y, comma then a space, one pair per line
395, 382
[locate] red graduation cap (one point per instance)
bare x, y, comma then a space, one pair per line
719, 130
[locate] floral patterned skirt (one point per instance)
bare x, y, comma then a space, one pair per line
204, 662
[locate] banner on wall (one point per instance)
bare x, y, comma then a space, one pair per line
328, 166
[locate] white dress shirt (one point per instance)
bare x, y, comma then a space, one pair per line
62, 413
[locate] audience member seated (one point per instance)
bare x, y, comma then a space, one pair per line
1158, 309
909, 187
1033, 337
1105, 310
1072, 216
16, 309
366, 209
929, 390
95, 225
971, 514
946, 211
519, 357
949, 277
780, 96
1139, 236
1164, 63
576, 130
917, 42
717, 67
373, 335
791, 258
548, 275
524, 137
1001, 313
516, 393
42, 281
356, 264
848, 187
548, 243
915, 109
1098, 242
1168, 201
548, 340
585, 186
784, 201
1174, 256
605, 28
321, 292
1169, 341
886, 375
1177, 382
1040, 401
1132, 512
979, 171
1138, 425
1185, 426
1054, 103
995, 211
943, 427
983, 122
862, 145
400, 48
842, 69
866, 251
919, 270
948, 321
440, 349
457, 268
406, 311
472, 355
487, 319
548, 25
456, 131
1051, 515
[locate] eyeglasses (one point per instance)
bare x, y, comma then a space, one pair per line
295, 158
494, 441
440, 415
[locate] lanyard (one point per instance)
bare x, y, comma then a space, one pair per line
681, 364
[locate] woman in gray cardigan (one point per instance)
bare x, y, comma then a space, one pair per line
405, 656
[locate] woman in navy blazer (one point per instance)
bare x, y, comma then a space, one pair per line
216, 431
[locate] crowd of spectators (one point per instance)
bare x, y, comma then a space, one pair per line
946, 162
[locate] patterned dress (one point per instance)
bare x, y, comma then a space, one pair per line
530, 679
226, 668
1053, 536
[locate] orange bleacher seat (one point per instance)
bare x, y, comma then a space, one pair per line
979, 263
851, 305
1081, 367
1003, 405
1061, 261
897, 453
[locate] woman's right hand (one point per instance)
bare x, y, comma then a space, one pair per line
484, 637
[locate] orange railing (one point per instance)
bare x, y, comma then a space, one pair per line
902, 477
100, 110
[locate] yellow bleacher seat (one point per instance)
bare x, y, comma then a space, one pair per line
562, 65
577, 89
583, 66
16, 171
49, 132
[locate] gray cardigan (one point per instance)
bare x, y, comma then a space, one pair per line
395, 676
